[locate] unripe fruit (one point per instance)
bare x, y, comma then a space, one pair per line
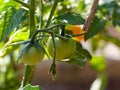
64, 48
32, 56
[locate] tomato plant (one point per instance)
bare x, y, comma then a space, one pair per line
29, 22
64, 48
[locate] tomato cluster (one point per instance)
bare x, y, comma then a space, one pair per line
64, 47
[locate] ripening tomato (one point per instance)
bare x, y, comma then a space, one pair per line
32, 56
76, 29
64, 48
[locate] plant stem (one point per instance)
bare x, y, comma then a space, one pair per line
91, 16
41, 13
52, 12
32, 19
23, 4
47, 30
29, 70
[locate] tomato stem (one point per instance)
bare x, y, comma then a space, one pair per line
52, 12
46, 30
23, 4
29, 71
32, 19
53, 65
41, 13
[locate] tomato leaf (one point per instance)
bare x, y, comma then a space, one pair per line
11, 20
30, 87
83, 51
77, 59
17, 38
5, 18
4, 5
71, 18
111, 11
97, 25
78, 46
86, 54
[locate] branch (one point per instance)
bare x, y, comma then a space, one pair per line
52, 12
22, 3
90, 17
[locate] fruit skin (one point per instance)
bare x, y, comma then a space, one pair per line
64, 48
32, 56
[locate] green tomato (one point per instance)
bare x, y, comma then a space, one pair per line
32, 56
64, 48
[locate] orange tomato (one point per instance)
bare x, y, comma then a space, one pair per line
76, 29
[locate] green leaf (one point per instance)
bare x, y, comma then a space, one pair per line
97, 25
30, 87
98, 63
11, 20
111, 11
71, 18
78, 46
86, 54
4, 5
4, 20
19, 35
79, 57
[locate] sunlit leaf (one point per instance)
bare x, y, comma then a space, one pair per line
11, 20
19, 35
4, 22
5, 4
